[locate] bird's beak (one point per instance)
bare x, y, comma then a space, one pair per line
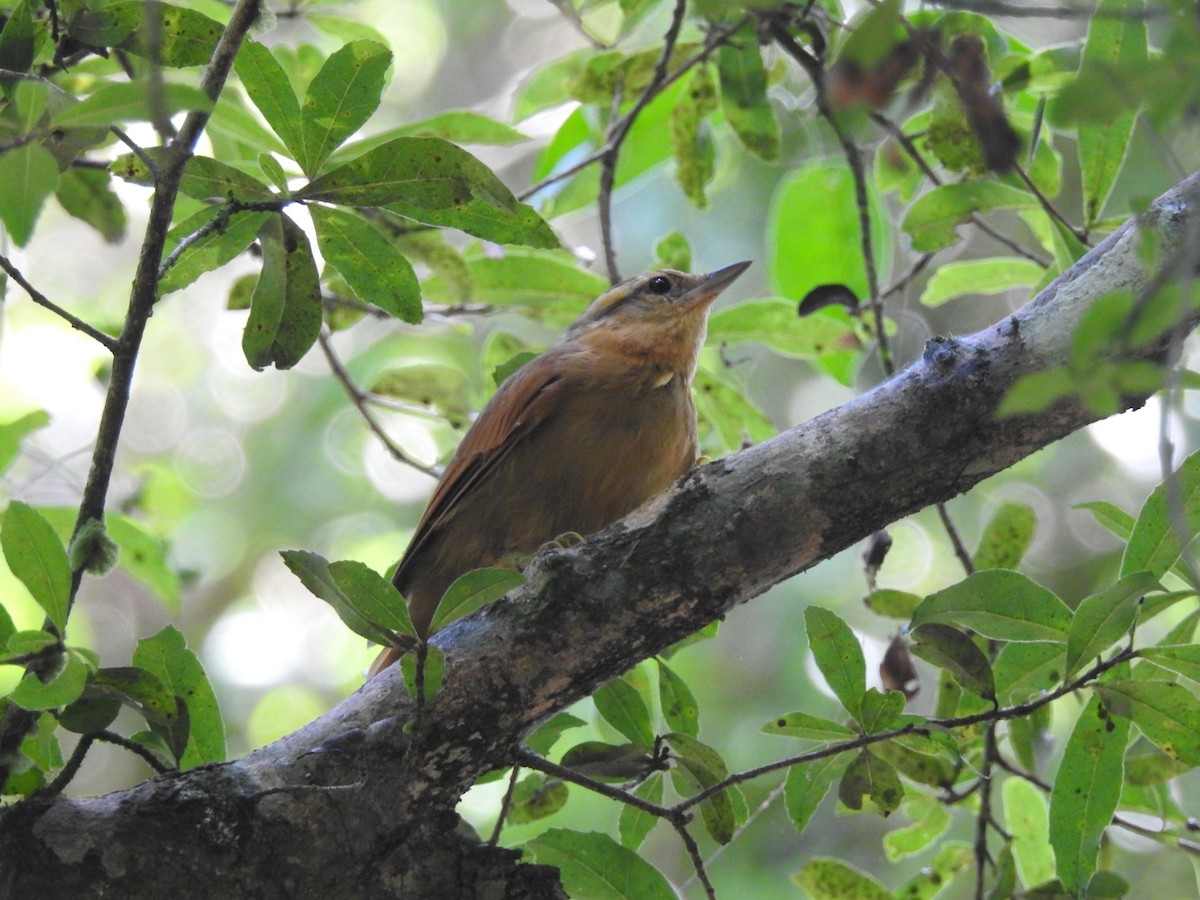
712, 285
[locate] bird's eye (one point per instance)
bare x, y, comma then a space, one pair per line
659, 284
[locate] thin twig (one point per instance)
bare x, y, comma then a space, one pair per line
816, 74
915, 155
109, 343
71, 769
505, 804
1050, 209
995, 715
147, 755
360, 400
960, 549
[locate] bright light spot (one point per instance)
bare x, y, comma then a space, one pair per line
254, 648
345, 439
281, 712
210, 462
911, 558
209, 541
248, 396
416, 32
1132, 438
393, 479
157, 417
53, 368
873, 650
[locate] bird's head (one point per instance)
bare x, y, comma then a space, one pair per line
661, 311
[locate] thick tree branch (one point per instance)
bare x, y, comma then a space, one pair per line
352, 799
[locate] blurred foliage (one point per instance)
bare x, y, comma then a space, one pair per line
332, 191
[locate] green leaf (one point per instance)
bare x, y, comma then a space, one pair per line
205, 178
137, 688
832, 879
874, 778
930, 820
285, 311
806, 786
183, 37
87, 195
1036, 392
776, 324
691, 144
892, 603
1025, 670
1104, 618
543, 739
444, 389
609, 762
340, 99
214, 249
541, 285
622, 706
536, 797
949, 649
880, 710
18, 42
167, 655
839, 657
732, 416
113, 103
1116, 37
979, 276
371, 595
999, 604
1181, 658
437, 183
932, 219
63, 687
594, 866
1168, 520
744, 94
14, 432
679, 707
697, 768
313, 572
822, 192
919, 758
470, 591
808, 727
1027, 819
370, 264
634, 825
269, 89
28, 175
463, 126
37, 558
432, 671
1006, 537
951, 858
1166, 712
1085, 793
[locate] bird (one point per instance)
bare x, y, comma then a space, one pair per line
572, 441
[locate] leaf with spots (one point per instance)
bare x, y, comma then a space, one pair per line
166, 655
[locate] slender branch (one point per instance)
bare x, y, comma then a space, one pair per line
915, 155
960, 549
148, 757
16, 721
816, 74
41, 299
360, 400
995, 715
71, 769
1050, 209
505, 804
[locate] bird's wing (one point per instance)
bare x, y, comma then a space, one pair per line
524, 401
